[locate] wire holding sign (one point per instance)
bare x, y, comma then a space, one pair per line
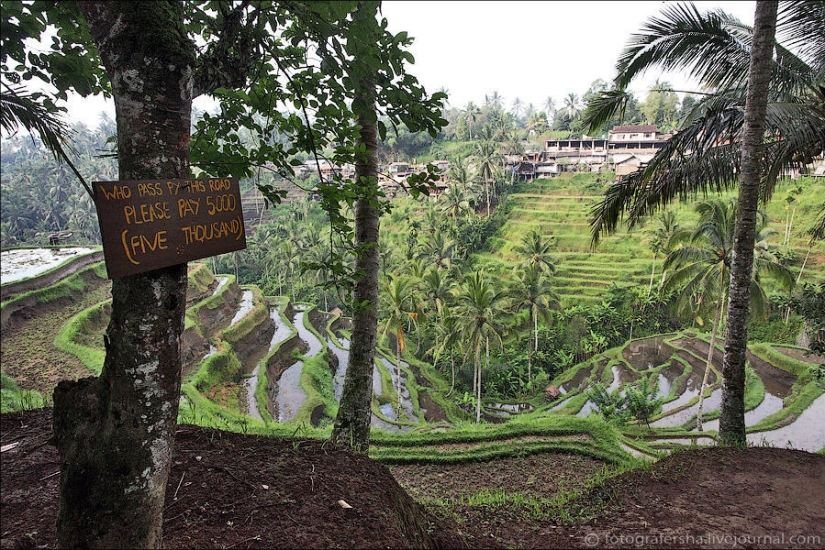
149, 224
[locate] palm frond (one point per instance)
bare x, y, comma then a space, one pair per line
799, 25
19, 109
682, 38
604, 107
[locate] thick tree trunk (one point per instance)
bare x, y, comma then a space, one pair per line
352, 424
115, 434
732, 420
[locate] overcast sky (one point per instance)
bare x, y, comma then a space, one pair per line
528, 50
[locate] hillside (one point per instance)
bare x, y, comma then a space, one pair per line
560, 207
263, 374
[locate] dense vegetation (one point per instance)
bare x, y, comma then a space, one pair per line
550, 300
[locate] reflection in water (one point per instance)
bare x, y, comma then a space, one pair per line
587, 408
621, 376
511, 407
251, 403
806, 433
290, 395
404, 398
577, 380
246, 306
664, 385
340, 372
712, 403
777, 381
282, 331
770, 405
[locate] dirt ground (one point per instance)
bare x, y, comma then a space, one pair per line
234, 491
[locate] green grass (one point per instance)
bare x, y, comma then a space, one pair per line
14, 399
74, 336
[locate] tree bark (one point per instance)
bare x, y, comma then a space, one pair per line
352, 423
115, 433
732, 420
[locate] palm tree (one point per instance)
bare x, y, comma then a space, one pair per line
454, 202
531, 289
471, 113
459, 171
749, 92
571, 106
488, 162
493, 101
518, 108
535, 251
398, 305
438, 249
477, 311
447, 340
550, 109
663, 239
702, 268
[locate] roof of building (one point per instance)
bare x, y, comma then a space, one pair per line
635, 128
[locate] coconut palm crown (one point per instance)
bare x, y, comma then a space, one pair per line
713, 48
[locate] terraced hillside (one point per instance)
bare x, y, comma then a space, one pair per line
260, 364
560, 208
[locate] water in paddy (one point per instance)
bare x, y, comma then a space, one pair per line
664, 384
512, 407
807, 432
404, 398
577, 380
777, 381
342, 353
506, 410
770, 404
282, 331
692, 385
221, 283
290, 395
712, 402
244, 308
647, 353
562, 403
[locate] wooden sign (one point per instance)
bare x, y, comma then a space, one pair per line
149, 224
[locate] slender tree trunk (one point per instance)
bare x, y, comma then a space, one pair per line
452, 374
717, 317
487, 187
352, 424
652, 273
115, 434
398, 366
732, 420
535, 349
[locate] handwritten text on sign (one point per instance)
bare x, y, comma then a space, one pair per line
150, 224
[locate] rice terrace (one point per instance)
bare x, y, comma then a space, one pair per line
261, 365
278, 293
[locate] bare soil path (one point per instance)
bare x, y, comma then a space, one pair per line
234, 491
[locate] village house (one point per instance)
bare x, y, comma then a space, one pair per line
624, 150
393, 177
